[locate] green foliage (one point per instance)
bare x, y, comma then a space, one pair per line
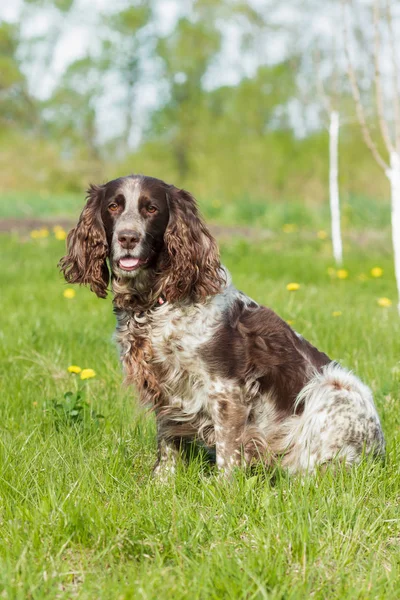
70, 113
252, 137
37, 164
126, 46
62, 5
186, 56
73, 409
17, 107
10, 73
130, 20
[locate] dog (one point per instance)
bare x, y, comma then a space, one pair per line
213, 364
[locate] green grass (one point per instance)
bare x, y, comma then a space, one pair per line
37, 205
80, 515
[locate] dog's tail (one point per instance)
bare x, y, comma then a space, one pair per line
339, 420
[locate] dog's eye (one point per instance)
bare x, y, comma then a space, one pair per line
151, 209
113, 206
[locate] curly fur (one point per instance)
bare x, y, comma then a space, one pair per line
191, 267
87, 247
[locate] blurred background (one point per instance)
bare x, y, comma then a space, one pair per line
227, 98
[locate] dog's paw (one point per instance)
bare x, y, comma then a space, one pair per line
163, 472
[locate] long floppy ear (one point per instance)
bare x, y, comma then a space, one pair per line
193, 268
87, 247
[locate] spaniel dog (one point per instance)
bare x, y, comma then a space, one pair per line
214, 365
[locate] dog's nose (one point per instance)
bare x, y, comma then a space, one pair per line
128, 238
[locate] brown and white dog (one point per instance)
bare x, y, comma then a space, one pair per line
213, 364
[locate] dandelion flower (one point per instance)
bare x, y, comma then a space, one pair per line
293, 287
290, 322
60, 234
322, 234
34, 404
377, 272
384, 302
337, 313
37, 234
69, 293
88, 374
342, 274
74, 369
289, 228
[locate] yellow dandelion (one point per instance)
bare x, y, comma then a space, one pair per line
34, 404
289, 228
37, 234
342, 274
88, 374
293, 287
377, 272
69, 293
290, 322
60, 234
322, 234
337, 313
384, 302
74, 369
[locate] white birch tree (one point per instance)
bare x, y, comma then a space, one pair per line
389, 120
334, 199
330, 102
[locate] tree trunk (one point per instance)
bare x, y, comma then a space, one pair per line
334, 187
394, 178
129, 116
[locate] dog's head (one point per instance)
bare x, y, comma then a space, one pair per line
143, 225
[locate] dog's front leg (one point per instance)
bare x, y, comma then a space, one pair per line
168, 452
170, 435
230, 417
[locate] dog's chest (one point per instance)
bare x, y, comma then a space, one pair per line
172, 338
176, 338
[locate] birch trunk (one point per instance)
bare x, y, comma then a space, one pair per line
394, 178
334, 187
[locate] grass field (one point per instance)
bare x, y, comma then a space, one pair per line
80, 515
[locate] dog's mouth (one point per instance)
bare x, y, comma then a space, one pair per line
128, 263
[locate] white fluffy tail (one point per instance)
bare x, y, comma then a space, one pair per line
339, 420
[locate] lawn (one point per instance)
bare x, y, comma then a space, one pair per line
80, 515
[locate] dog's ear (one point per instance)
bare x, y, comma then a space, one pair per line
87, 247
192, 268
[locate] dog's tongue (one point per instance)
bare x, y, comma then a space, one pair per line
129, 263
